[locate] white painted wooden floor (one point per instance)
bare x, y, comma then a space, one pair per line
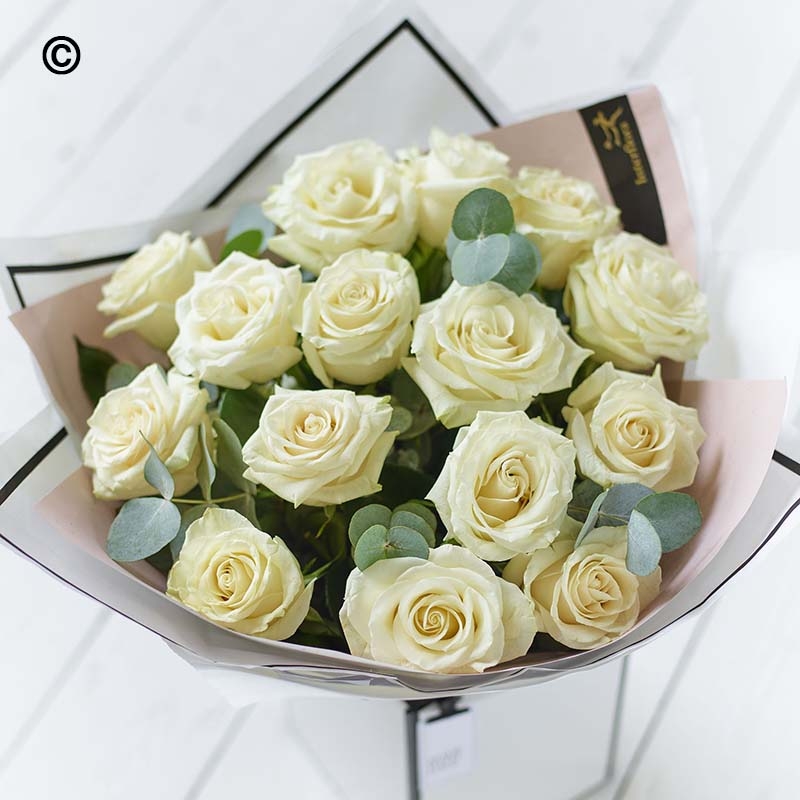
93, 707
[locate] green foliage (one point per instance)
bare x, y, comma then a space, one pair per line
206, 471
674, 516
644, 546
143, 526
188, 516
94, 365
430, 266
591, 517
367, 517
377, 543
406, 394
241, 409
120, 374
249, 232
483, 245
402, 419
583, 495
157, 474
229, 456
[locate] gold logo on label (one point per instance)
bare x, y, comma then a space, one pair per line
618, 133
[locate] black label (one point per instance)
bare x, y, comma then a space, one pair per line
615, 136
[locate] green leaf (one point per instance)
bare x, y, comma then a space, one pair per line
367, 517
120, 374
402, 419
620, 501
188, 516
229, 456
162, 560
250, 243
409, 519
248, 232
157, 474
674, 516
241, 409
644, 545
206, 471
583, 495
482, 212
401, 484
93, 364
522, 265
407, 394
429, 265
421, 510
377, 543
591, 518
142, 527
480, 260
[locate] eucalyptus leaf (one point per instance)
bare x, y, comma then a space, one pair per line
377, 543
142, 527
522, 265
93, 365
206, 471
620, 501
409, 519
120, 374
480, 260
241, 234
251, 243
591, 517
482, 212
367, 517
402, 419
229, 456
421, 510
583, 495
450, 245
644, 545
674, 516
157, 474
188, 516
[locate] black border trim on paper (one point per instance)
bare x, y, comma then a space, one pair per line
406, 25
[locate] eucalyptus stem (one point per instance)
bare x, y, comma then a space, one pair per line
211, 501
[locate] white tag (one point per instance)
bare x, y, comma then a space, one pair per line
445, 747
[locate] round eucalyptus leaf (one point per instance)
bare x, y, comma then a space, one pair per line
644, 546
420, 510
377, 543
674, 516
409, 519
142, 527
120, 374
367, 517
450, 245
157, 474
479, 260
522, 265
620, 502
481, 213
402, 419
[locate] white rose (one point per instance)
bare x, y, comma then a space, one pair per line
585, 596
240, 578
625, 430
632, 303
563, 216
320, 448
449, 614
356, 318
505, 487
235, 323
451, 169
167, 411
143, 290
347, 197
483, 348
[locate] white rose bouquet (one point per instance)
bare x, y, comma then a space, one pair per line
430, 429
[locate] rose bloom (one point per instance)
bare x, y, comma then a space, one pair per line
584, 596
449, 614
142, 291
483, 348
165, 409
320, 448
632, 303
347, 197
235, 325
563, 216
506, 485
625, 430
356, 318
450, 170
240, 578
